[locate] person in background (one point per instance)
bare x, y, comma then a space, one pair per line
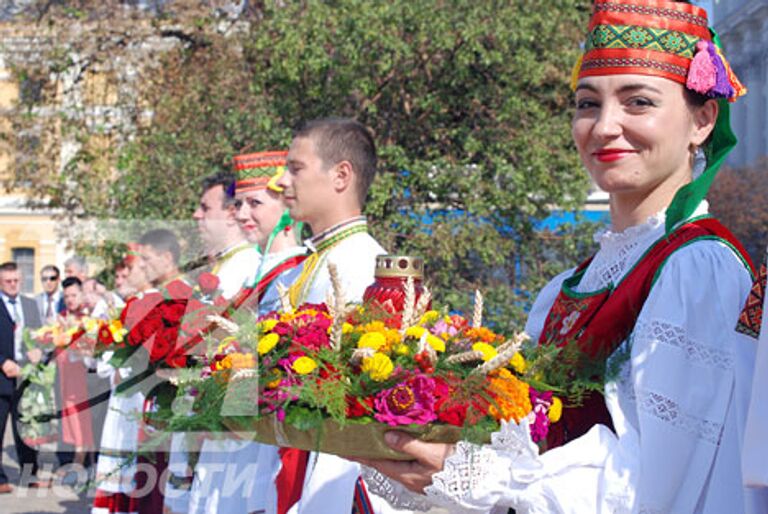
76, 421
123, 286
76, 266
116, 465
16, 312
50, 302
231, 257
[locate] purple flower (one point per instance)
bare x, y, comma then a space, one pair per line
541, 402
409, 402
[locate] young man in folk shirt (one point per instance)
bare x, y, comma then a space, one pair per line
331, 165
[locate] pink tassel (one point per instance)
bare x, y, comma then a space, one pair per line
702, 75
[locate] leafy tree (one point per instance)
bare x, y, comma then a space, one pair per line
468, 102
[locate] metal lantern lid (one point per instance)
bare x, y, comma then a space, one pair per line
399, 266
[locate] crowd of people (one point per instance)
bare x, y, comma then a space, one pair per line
670, 299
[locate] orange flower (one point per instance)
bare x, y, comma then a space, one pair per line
512, 396
482, 334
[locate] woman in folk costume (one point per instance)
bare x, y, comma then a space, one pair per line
659, 299
116, 466
227, 477
265, 221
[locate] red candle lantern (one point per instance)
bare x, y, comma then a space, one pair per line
392, 273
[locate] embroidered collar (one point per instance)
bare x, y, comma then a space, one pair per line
337, 233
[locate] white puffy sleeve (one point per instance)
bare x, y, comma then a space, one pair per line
676, 409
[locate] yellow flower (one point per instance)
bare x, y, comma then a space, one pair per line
436, 343
555, 410
116, 329
415, 332
393, 337
91, 325
429, 317
267, 342
304, 365
379, 367
518, 363
268, 324
278, 376
346, 328
402, 349
488, 351
224, 344
373, 340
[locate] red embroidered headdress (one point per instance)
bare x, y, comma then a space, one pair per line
657, 37
256, 171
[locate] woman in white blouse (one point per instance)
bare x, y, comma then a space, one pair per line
651, 126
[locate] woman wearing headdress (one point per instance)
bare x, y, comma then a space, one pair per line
659, 299
264, 220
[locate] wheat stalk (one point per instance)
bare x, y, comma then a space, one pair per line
421, 305
285, 298
464, 357
361, 353
502, 358
409, 306
227, 325
517, 341
477, 317
339, 310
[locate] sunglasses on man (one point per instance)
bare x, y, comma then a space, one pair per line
50, 278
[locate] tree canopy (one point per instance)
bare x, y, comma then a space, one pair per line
468, 102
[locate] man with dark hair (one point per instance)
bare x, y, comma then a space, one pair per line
331, 165
16, 313
160, 252
231, 257
50, 302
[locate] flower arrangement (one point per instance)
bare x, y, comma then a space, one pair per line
335, 377
160, 329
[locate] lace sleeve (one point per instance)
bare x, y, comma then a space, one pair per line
393, 492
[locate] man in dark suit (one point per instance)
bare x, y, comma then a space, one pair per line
16, 312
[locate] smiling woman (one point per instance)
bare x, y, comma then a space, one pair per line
658, 302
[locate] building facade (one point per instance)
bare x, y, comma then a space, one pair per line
743, 29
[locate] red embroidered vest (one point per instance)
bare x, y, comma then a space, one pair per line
598, 322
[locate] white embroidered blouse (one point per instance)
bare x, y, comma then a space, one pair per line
678, 405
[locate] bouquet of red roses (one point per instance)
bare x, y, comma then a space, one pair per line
163, 327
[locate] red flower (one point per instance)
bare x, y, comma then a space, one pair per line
358, 407
163, 342
105, 336
179, 290
449, 409
208, 282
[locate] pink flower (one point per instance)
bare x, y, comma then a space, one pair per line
409, 402
441, 327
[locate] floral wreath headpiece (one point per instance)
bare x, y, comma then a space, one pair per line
671, 40
257, 171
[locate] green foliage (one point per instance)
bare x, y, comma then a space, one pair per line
468, 102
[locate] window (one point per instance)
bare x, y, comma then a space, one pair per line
25, 259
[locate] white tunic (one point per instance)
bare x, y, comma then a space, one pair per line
678, 405
237, 268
